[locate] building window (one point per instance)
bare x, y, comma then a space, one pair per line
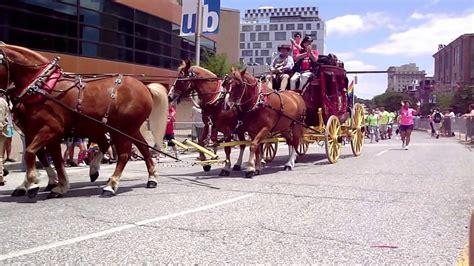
318, 26
280, 36
281, 26
264, 53
242, 45
248, 45
274, 27
259, 60
256, 45
247, 53
247, 28
258, 27
290, 26
308, 26
242, 37
269, 45
256, 52
263, 36
300, 26
265, 27
252, 36
314, 34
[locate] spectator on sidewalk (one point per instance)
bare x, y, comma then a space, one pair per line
373, 121
196, 117
437, 118
384, 120
169, 135
4, 110
9, 136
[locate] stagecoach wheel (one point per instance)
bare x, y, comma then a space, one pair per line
332, 136
357, 140
270, 151
302, 148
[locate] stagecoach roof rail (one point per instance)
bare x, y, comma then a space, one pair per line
100, 75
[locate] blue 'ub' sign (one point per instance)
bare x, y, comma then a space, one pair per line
210, 17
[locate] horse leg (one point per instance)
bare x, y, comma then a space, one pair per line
238, 164
150, 165
30, 184
253, 149
293, 142
63, 183
124, 147
52, 176
226, 170
258, 160
203, 137
94, 165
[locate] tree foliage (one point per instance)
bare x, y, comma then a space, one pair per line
217, 64
391, 100
463, 98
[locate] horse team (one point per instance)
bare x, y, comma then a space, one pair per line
49, 105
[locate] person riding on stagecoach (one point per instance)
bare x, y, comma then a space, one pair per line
304, 60
281, 67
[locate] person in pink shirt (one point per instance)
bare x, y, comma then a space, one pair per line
296, 45
304, 60
407, 122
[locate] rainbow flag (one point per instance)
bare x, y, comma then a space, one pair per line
350, 89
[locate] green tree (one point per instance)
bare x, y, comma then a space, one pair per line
463, 98
216, 63
444, 101
391, 100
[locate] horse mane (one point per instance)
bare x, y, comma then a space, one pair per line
202, 72
25, 51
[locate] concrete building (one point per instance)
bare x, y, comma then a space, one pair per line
262, 30
121, 36
454, 65
405, 75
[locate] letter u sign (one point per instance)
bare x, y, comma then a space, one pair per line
210, 17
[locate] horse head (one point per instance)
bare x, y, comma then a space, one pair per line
240, 86
194, 78
18, 65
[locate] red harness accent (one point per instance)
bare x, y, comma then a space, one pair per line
47, 86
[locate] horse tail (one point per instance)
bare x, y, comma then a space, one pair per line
159, 112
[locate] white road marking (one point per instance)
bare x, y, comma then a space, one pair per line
382, 152
118, 229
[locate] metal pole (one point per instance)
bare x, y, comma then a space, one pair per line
197, 34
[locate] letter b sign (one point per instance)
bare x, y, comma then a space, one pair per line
210, 17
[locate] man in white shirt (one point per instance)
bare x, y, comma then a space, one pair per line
282, 65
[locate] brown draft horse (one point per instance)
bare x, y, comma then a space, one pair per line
261, 111
211, 95
121, 102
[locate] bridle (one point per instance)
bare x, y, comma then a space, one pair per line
5, 63
191, 78
239, 103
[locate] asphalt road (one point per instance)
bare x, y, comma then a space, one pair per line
386, 206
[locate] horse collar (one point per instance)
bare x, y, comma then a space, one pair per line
219, 96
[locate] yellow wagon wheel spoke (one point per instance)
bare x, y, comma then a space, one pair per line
332, 134
357, 140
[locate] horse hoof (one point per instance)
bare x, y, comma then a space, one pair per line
287, 168
49, 187
31, 193
18, 193
207, 168
236, 168
94, 176
257, 172
151, 184
2, 183
224, 173
107, 193
54, 195
249, 174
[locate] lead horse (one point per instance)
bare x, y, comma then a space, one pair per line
211, 94
264, 112
121, 102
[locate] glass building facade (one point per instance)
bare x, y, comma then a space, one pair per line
98, 29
